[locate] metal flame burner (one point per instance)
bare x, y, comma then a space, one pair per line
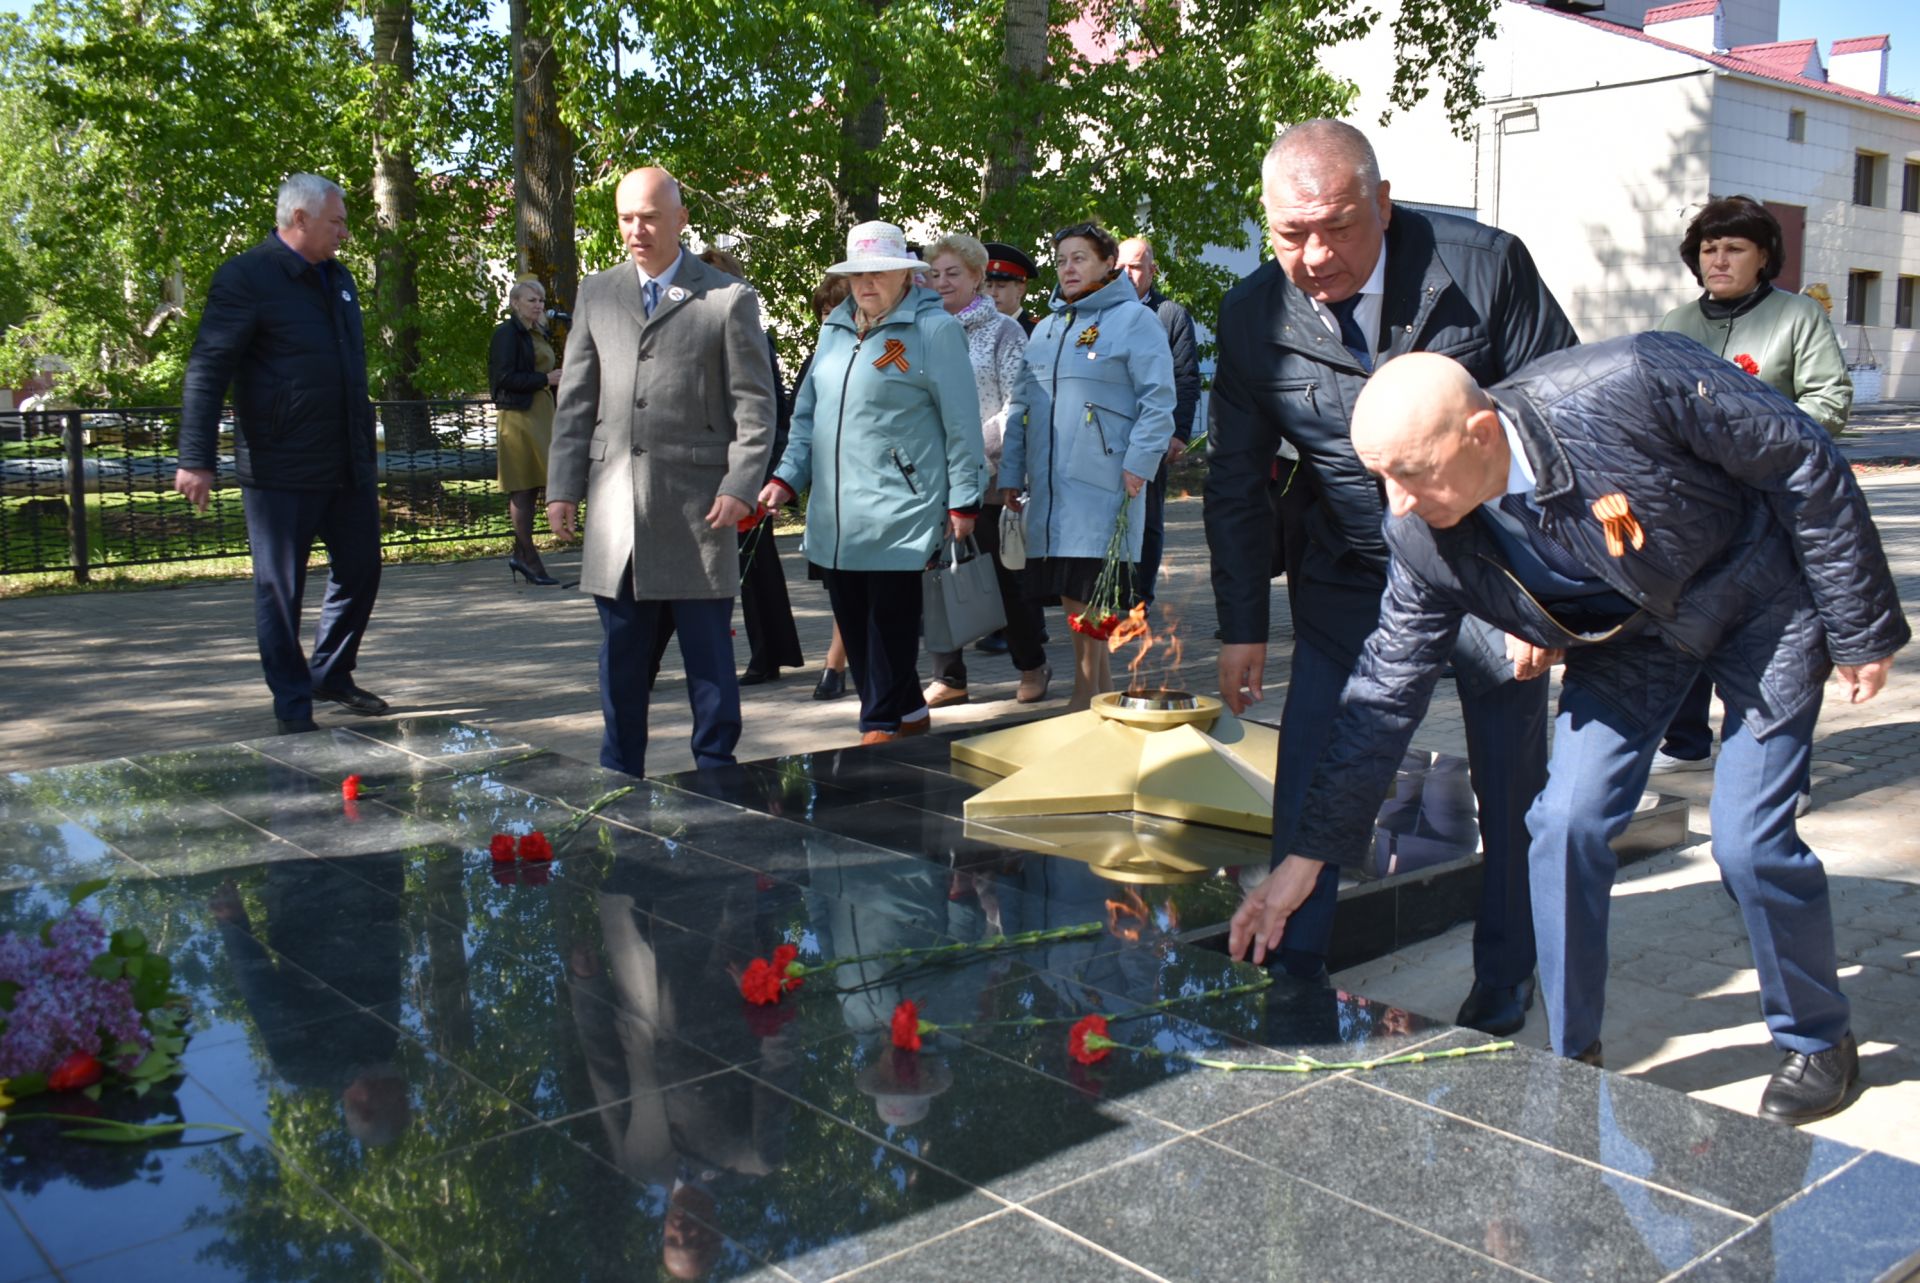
1157, 699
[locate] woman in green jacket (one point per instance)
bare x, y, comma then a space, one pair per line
886, 437
1734, 248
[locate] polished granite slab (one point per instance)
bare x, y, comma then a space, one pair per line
448, 1069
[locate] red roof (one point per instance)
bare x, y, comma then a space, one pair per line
1790, 56
1685, 9
1739, 60
1859, 44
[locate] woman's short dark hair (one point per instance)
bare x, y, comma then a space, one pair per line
1109, 247
1741, 216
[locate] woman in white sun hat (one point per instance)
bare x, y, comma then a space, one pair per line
886, 437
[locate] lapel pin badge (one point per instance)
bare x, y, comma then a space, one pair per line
675, 293
894, 354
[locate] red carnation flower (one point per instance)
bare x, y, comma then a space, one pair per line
783, 958
906, 1025
350, 788
534, 846
758, 515
501, 849
760, 985
1747, 363
1087, 1041
76, 1071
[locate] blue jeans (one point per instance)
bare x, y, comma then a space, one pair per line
1506, 751
1599, 768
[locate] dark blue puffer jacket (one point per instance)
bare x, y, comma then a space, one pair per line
286, 336
1760, 561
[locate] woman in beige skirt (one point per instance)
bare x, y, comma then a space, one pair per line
523, 368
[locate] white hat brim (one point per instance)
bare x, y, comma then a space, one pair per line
852, 265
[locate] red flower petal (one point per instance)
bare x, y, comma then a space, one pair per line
783, 958
760, 985
501, 849
906, 1025
1747, 363
1077, 1039
534, 846
76, 1071
350, 788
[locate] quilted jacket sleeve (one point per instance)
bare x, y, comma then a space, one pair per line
1383, 703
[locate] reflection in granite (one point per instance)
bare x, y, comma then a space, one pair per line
451, 1068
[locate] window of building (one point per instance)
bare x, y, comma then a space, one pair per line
1867, 173
1903, 302
1910, 187
1863, 297
1796, 126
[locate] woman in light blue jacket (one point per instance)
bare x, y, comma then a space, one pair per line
886, 437
1103, 359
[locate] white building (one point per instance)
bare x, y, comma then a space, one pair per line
1603, 132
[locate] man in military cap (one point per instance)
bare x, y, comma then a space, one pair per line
1008, 272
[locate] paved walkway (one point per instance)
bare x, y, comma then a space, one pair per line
95, 676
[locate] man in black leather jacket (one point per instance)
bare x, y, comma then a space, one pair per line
282, 328
1649, 512
1290, 368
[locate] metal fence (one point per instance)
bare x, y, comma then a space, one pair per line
83, 489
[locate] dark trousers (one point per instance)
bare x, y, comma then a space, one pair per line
772, 639
1689, 736
1507, 755
281, 528
1599, 769
629, 629
1024, 618
879, 616
1153, 539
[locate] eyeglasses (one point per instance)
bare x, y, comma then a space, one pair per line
1089, 230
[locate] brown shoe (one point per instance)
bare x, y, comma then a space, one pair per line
1033, 684
920, 727
940, 695
879, 737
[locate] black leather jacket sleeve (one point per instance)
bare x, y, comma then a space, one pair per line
226, 332
1239, 519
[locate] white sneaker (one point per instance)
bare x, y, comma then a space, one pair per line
1665, 763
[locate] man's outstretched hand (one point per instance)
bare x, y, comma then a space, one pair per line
1261, 919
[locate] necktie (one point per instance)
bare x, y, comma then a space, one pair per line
1556, 554
1350, 336
652, 295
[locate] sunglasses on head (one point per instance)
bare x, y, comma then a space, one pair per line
1088, 230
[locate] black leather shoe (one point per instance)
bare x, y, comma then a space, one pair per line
1498, 1010
754, 677
1806, 1087
295, 725
352, 698
832, 684
1591, 1056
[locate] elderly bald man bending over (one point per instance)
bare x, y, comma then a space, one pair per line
1646, 510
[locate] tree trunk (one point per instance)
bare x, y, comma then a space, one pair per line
1024, 25
396, 200
542, 162
863, 127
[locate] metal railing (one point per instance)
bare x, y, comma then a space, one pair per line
85, 489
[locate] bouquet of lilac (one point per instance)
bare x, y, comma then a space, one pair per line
81, 1007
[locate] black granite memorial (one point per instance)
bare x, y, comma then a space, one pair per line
455, 1068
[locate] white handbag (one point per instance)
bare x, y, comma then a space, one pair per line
1013, 538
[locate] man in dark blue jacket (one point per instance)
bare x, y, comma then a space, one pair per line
1357, 280
1650, 512
282, 328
